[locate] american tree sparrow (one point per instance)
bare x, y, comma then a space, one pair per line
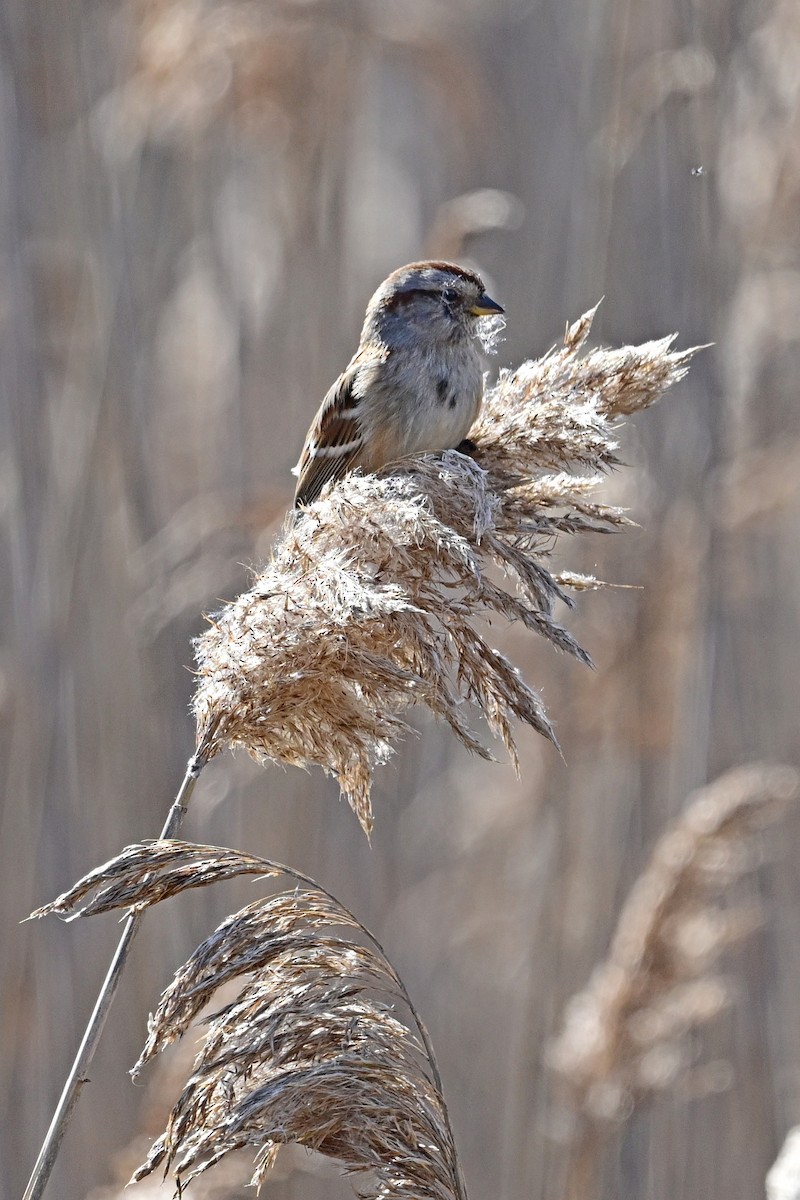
414, 384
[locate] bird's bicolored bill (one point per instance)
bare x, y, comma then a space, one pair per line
485, 306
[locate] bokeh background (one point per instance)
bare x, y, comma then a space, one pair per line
196, 201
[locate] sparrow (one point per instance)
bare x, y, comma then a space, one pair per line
415, 383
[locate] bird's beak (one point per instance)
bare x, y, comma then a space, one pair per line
485, 306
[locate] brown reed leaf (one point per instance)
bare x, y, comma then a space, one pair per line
624, 1035
369, 602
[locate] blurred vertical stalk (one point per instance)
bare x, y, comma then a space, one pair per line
583, 1167
91, 1038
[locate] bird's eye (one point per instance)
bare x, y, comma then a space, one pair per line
449, 296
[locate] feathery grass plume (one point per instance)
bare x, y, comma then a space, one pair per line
369, 601
624, 1036
309, 1052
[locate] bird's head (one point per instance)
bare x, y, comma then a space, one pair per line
435, 300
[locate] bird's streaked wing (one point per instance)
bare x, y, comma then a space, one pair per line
333, 442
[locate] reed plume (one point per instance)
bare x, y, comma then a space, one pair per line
369, 602
625, 1035
310, 1051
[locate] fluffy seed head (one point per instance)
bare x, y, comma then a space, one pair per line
377, 599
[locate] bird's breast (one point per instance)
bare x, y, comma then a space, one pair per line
412, 403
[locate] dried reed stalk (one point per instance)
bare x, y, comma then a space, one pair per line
78, 1077
311, 1050
369, 603
625, 1035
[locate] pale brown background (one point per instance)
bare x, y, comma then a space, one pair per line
195, 204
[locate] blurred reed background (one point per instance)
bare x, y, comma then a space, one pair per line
196, 201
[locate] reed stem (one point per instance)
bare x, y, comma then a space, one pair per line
91, 1038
